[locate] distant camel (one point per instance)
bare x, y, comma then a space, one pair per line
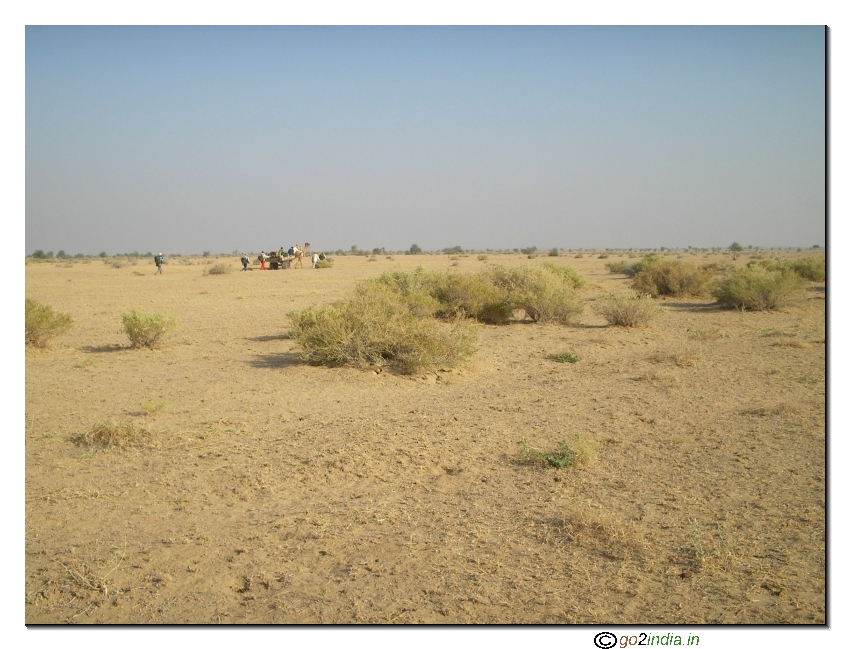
299, 255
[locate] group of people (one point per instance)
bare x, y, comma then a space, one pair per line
280, 255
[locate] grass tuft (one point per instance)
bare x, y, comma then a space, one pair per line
114, 435
564, 357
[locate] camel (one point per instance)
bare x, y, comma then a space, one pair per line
299, 255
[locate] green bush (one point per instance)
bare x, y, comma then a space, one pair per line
378, 325
672, 278
554, 253
42, 323
626, 309
618, 266
567, 274
543, 295
759, 289
147, 330
810, 268
324, 263
472, 295
641, 265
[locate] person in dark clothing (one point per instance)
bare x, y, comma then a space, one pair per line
159, 260
245, 261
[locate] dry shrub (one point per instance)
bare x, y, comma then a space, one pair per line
679, 356
219, 269
378, 326
618, 266
147, 330
114, 435
472, 295
324, 263
543, 295
600, 532
677, 278
759, 289
626, 309
41, 323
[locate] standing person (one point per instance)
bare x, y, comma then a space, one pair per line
262, 259
245, 261
315, 258
159, 260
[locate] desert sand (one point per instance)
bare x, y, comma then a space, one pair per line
271, 491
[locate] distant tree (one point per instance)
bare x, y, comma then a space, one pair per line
50, 255
815, 246
454, 250
353, 250
103, 254
61, 254
554, 252
377, 251
206, 253
415, 250
148, 254
529, 251
736, 247
38, 254
79, 255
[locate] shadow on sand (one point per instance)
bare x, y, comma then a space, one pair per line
102, 349
275, 361
267, 339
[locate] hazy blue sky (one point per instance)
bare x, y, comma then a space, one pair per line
186, 139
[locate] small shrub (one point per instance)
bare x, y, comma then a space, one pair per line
219, 269
758, 289
378, 325
578, 256
618, 266
564, 357
554, 253
603, 256
111, 435
627, 309
147, 330
472, 295
578, 451
324, 263
676, 278
42, 323
567, 274
643, 264
561, 458
810, 268
543, 295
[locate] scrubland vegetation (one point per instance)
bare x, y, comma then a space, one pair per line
42, 323
147, 330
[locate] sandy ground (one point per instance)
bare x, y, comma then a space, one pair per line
275, 492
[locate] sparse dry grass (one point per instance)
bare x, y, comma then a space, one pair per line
598, 531
678, 356
114, 435
219, 269
713, 333
786, 341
